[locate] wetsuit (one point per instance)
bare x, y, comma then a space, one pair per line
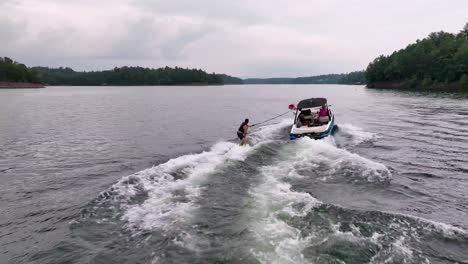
240, 131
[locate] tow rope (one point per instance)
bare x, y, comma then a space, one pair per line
280, 115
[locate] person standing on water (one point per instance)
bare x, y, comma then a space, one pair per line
242, 131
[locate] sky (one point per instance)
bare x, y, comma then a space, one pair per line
244, 38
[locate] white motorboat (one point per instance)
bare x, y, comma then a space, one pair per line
311, 120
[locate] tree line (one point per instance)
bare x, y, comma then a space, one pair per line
357, 77
128, 76
439, 59
12, 71
16, 72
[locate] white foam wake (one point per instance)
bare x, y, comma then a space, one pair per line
274, 201
358, 135
172, 187
335, 162
446, 230
263, 133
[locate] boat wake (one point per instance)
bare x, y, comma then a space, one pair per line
169, 208
171, 188
276, 203
356, 135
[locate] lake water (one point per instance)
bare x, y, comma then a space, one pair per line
155, 175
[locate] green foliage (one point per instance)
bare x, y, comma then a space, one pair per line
464, 31
12, 71
320, 79
464, 79
230, 80
412, 82
440, 58
357, 77
129, 76
426, 82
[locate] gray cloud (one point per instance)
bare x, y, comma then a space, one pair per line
158, 38
244, 38
220, 11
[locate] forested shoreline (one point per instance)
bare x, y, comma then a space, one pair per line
439, 61
16, 75
13, 73
128, 76
357, 77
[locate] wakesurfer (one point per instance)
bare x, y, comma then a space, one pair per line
242, 131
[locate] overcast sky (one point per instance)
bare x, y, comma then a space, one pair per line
246, 38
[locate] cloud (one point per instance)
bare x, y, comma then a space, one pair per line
244, 38
162, 38
220, 11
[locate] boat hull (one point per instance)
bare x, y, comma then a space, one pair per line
313, 133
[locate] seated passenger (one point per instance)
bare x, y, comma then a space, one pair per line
323, 115
323, 111
301, 120
316, 118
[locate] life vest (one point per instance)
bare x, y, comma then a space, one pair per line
323, 112
241, 128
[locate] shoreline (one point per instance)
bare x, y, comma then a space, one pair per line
405, 85
131, 85
20, 85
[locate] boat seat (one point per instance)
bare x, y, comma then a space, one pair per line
324, 119
307, 115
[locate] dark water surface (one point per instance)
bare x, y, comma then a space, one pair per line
154, 175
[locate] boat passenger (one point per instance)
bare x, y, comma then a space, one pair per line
300, 120
242, 131
323, 115
323, 111
315, 118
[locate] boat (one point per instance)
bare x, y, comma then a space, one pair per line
307, 121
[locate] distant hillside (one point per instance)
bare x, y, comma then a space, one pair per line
16, 73
230, 80
438, 61
128, 76
357, 77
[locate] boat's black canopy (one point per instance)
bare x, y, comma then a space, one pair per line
312, 102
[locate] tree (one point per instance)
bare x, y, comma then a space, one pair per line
12, 71
464, 79
440, 58
129, 76
464, 31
